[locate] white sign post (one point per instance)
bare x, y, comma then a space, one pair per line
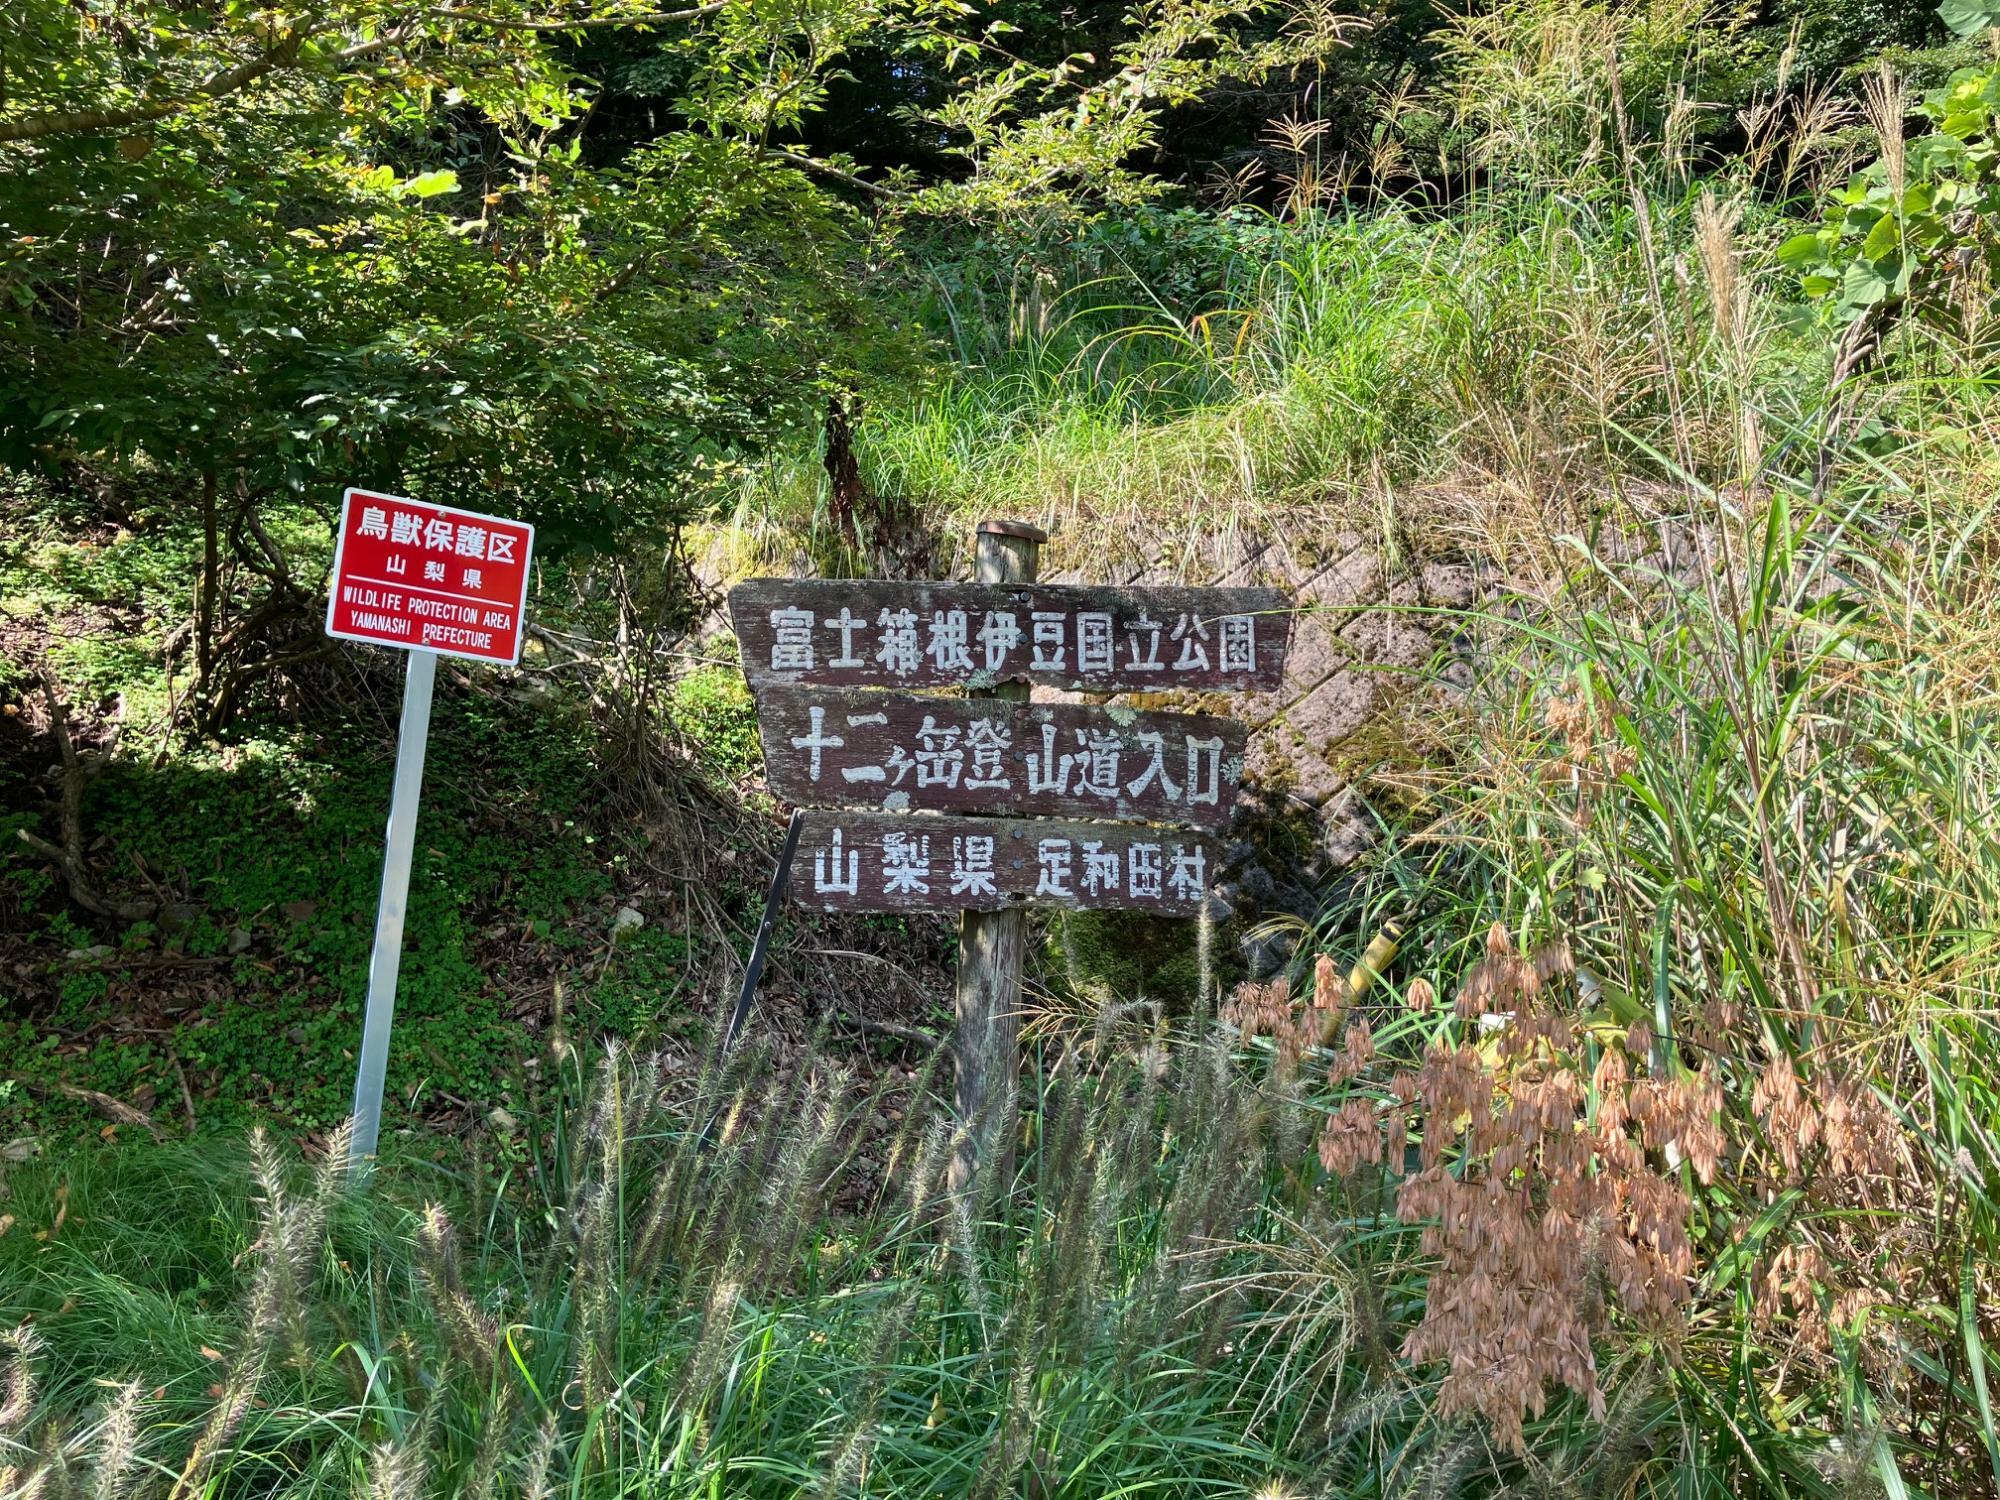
434, 582
412, 737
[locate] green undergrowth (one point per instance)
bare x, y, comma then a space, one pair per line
1166, 1300
1298, 377
250, 984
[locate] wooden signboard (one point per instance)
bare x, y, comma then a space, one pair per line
819, 653
894, 751
874, 633
911, 863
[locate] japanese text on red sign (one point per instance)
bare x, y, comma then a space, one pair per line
411, 574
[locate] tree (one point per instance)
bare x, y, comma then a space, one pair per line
251, 252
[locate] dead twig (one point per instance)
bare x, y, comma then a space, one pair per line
68, 855
115, 1110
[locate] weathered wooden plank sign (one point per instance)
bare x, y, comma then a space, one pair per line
819, 653
910, 862
841, 747
875, 633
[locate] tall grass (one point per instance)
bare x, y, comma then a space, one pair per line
1731, 749
797, 1309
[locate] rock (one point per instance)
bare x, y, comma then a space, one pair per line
296, 1035
1353, 580
21, 1148
1280, 761
1316, 653
1382, 639
1449, 585
1333, 711
626, 919
178, 916
1260, 887
1240, 560
1264, 953
239, 940
1345, 832
1284, 566
501, 1121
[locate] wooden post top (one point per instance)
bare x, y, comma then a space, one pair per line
1021, 531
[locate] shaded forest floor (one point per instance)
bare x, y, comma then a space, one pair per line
239, 1001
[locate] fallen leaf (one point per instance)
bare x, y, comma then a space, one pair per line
6, 1222
208, 1353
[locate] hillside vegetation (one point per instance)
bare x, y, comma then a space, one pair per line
1650, 1150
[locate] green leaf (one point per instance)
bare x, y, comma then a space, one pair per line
1968, 16
1801, 251
430, 184
1883, 239
1863, 286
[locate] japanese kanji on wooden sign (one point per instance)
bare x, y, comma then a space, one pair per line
890, 862
820, 652
870, 633
841, 747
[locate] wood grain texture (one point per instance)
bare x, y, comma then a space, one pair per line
986, 1001
895, 862
874, 633
843, 747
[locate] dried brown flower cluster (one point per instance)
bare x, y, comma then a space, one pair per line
1593, 755
1259, 1009
1859, 1158
1268, 1009
1550, 1187
1544, 1212
1589, 732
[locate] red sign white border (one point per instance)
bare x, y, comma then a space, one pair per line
340, 548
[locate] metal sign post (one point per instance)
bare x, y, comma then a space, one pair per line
434, 581
412, 737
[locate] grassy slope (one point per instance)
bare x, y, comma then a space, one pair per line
250, 984
1782, 801
1782, 815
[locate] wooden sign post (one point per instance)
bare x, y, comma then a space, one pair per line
989, 803
986, 1009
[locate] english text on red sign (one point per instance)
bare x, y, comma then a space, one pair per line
429, 578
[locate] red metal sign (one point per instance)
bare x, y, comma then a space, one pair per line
429, 578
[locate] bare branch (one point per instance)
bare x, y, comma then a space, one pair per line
68, 856
828, 169
582, 23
